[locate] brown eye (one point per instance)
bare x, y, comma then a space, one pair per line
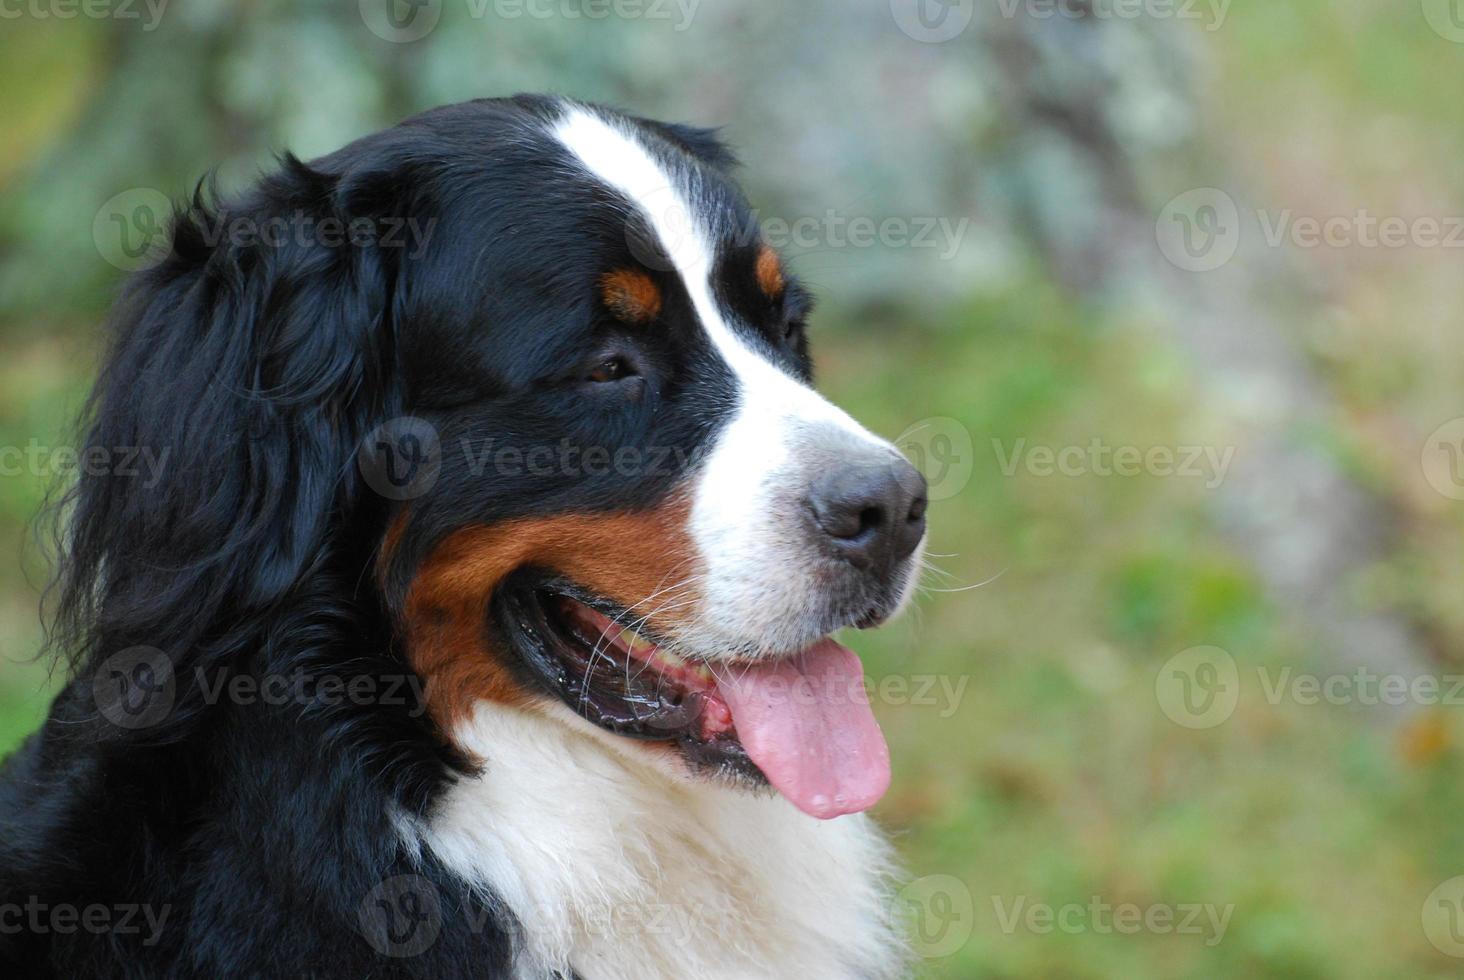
611, 369
793, 328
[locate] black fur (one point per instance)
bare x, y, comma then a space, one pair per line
261, 830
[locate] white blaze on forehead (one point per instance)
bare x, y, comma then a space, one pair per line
740, 502
621, 161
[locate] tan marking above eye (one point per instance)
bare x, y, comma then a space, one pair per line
769, 271
631, 295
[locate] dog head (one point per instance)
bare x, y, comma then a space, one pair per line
564, 423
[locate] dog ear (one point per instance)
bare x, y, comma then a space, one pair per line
242, 374
704, 144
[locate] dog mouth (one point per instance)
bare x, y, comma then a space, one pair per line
800, 722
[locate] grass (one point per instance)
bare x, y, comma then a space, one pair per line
1058, 777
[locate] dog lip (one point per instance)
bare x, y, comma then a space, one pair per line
641, 704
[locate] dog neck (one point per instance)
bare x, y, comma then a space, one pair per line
618, 870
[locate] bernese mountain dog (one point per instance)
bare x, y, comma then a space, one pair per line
478, 621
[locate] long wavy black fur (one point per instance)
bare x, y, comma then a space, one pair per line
257, 370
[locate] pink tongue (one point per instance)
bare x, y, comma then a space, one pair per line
806, 722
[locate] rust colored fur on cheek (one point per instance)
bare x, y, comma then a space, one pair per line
625, 557
631, 295
769, 272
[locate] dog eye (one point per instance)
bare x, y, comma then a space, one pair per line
793, 328
610, 369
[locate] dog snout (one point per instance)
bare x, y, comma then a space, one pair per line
870, 512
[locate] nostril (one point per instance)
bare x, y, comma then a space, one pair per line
917, 509
870, 518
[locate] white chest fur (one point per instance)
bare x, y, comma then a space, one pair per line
621, 871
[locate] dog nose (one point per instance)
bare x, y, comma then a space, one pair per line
872, 513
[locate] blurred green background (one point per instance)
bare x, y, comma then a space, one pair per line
1120, 201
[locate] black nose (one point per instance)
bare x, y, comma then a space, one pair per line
872, 513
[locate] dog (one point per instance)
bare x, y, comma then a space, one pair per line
478, 621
